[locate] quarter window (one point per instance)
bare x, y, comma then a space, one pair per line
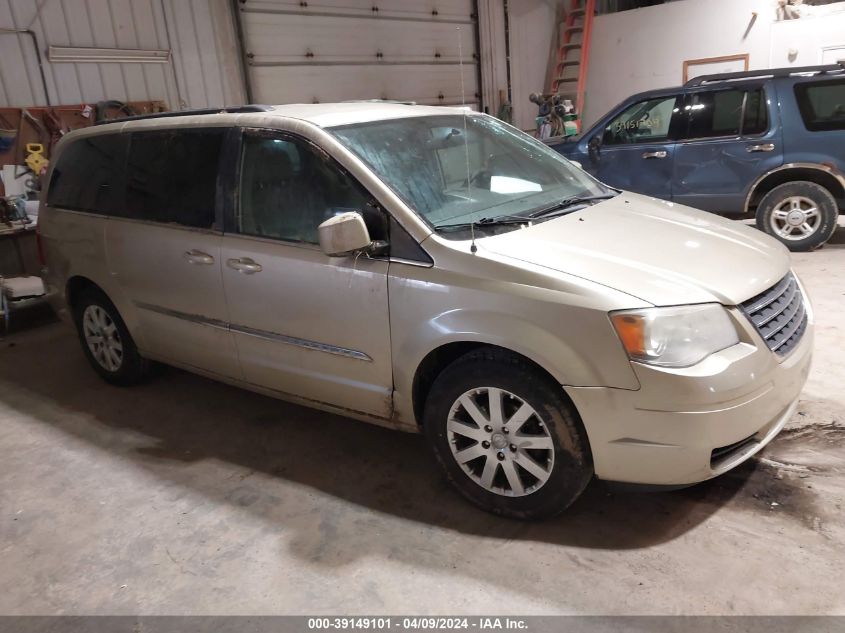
172, 176
643, 122
87, 175
288, 189
822, 104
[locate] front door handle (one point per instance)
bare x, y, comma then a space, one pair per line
764, 147
198, 257
659, 154
244, 265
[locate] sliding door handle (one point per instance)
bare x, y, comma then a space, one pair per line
244, 265
764, 147
198, 257
659, 154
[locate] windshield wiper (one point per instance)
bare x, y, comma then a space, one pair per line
566, 203
499, 221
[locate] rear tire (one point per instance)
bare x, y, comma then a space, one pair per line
527, 457
802, 215
106, 341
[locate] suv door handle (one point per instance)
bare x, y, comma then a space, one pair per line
244, 265
765, 147
659, 154
198, 257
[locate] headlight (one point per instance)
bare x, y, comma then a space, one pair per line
674, 337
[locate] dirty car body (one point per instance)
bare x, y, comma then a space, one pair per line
591, 321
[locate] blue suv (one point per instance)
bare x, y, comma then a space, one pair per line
768, 142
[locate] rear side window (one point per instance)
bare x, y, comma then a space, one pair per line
87, 175
756, 117
171, 176
715, 113
822, 104
720, 113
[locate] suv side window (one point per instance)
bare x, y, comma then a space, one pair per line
719, 113
755, 120
171, 176
288, 188
87, 175
822, 104
644, 122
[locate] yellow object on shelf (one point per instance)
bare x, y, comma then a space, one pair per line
35, 159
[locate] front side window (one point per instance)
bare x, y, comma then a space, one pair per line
288, 189
454, 169
171, 176
87, 175
822, 104
644, 122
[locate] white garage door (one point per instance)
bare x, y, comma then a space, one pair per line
319, 51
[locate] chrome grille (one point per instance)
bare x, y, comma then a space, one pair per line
778, 314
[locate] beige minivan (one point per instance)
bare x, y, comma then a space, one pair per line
436, 270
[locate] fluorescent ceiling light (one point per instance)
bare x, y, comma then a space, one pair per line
73, 54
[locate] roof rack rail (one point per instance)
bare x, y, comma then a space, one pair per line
173, 113
766, 72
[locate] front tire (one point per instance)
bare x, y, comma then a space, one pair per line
802, 215
106, 341
506, 436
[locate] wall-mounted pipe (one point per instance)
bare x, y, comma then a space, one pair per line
36, 46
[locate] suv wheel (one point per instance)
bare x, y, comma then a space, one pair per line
802, 215
106, 341
506, 436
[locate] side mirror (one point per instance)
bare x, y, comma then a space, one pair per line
577, 164
593, 146
344, 234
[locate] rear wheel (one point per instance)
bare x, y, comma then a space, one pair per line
802, 215
106, 342
506, 436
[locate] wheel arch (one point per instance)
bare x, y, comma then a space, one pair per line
438, 359
75, 286
825, 175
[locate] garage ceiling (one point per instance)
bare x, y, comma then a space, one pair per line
337, 50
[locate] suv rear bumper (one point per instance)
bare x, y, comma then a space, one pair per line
687, 425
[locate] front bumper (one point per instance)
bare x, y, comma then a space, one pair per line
687, 425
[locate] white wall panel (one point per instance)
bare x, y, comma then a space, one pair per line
203, 71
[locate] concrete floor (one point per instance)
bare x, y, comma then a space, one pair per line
185, 496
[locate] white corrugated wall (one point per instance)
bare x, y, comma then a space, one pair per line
203, 72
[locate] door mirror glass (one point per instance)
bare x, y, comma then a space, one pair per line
344, 234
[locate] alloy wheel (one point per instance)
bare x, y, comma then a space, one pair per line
102, 337
795, 218
500, 441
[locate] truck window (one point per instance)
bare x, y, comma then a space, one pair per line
822, 104
171, 176
87, 175
643, 122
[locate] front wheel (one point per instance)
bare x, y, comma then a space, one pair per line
506, 436
802, 214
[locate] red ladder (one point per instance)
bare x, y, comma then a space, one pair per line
573, 54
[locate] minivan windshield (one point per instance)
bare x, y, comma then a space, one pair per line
455, 169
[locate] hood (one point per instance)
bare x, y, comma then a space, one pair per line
657, 251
